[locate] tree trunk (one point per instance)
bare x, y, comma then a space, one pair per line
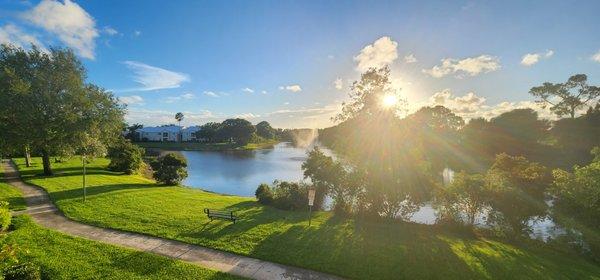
27, 157
46, 161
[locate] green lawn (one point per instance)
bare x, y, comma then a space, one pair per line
11, 194
192, 146
64, 257
340, 246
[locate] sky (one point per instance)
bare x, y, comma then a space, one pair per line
291, 62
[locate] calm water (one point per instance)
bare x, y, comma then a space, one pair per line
240, 173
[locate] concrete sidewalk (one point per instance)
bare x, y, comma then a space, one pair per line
43, 211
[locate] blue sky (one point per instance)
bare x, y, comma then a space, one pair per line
290, 62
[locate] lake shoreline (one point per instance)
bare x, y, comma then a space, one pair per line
197, 146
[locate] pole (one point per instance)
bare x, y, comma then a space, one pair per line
84, 190
309, 214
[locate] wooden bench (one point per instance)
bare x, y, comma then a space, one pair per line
220, 214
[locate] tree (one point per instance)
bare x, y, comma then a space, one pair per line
264, 130
179, 118
209, 131
48, 107
263, 194
466, 195
566, 98
170, 169
131, 132
125, 157
576, 137
518, 132
239, 130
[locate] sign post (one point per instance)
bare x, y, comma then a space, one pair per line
311, 200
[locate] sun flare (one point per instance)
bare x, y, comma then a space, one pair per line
389, 100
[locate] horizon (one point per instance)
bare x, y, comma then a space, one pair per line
294, 61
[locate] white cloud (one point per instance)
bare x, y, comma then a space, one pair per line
11, 34
471, 66
338, 83
410, 58
137, 33
246, 116
110, 31
185, 96
292, 88
533, 58
248, 90
264, 92
286, 103
160, 117
382, 52
71, 23
211, 94
132, 100
154, 78
596, 57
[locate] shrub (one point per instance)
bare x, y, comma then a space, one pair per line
264, 194
170, 169
125, 157
290, 196
5, 216
23, 271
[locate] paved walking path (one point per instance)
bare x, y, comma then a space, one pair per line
43, 211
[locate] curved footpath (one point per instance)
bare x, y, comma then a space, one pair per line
45, 213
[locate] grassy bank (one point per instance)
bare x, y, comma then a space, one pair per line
64, 257
11, 194
193, 146
341, 246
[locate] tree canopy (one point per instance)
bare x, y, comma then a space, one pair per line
568, 97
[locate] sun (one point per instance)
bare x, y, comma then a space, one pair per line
389, 100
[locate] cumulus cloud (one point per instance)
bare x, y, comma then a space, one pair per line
533, 58
211, 93
382, 52
291, 88
185, 96
410, 58
67, 20
11, 34
154, 78
132, 100
338, 83
246, 116
160, 117
471, 66
596, 57
110, 31
248, 90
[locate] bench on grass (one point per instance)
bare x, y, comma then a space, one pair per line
220, 214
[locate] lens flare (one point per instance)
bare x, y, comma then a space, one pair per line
389, 100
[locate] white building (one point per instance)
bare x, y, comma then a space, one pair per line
168, 133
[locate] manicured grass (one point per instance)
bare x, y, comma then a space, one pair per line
65, 257
191, 146
345, 247
11, 194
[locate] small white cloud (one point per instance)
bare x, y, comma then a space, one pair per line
381, 53
246, 116
185, 96
154, 78
248, 90
331, 57
11, 34
292, 88
132, 100
211, 94
596, 57
264, 92
286, 103
471, 66
71, 23
137, 33
533, 58
338, 83
110, 31
410, 58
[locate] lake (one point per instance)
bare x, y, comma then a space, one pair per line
240, 173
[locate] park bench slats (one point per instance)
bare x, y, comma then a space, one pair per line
220, 214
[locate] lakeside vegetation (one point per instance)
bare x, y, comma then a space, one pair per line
346, 247
200, 146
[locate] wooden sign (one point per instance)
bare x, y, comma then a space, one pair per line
311, 197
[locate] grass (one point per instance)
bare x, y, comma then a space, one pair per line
344, 247
11, 194
64, 257
193, 146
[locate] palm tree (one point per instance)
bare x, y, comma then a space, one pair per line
179, 118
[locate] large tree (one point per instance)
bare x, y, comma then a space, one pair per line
264, 129
50, 108
239, 130
568, 97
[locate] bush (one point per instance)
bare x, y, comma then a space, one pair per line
170, 169
5, 216
290, 196
264, 194
23, 271
125, 157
